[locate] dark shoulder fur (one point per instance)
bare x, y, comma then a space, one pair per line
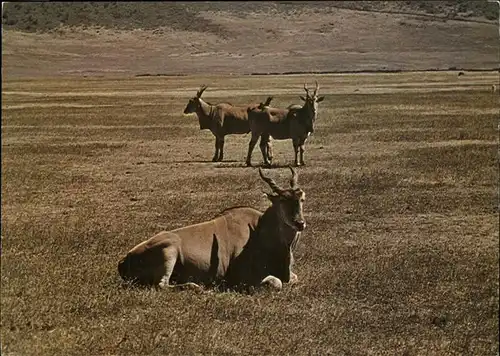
225, 211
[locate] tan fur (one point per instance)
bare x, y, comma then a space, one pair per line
295, 122
221, 119
241, 247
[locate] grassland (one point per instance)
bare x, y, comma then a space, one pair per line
400, 256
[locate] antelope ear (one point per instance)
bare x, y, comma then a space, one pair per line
300, 96
320, 99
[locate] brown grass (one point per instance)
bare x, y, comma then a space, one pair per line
400, 255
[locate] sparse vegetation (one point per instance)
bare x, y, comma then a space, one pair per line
266, 38
47, 16
400, 255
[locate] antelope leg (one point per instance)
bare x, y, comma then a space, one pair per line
251, 146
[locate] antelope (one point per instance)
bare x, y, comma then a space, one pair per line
221, 119
241, 248
295, 122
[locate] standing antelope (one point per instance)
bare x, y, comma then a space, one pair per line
295, 122
222, 119
240, 248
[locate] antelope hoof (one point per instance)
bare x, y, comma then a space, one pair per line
214, 159
192, 286
220, 159
267, 164
249, 164
163, 283
272, 283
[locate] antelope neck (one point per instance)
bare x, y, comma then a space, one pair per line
206, 108
308, 107
276, 225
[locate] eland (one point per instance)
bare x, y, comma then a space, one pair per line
296, 123
221, 119
241, 248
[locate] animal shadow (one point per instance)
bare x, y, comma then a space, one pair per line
278, 165
202, 161
230, 164
191, 161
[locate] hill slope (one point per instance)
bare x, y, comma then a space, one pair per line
46, 39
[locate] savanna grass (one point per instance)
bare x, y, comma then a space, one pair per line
400, 255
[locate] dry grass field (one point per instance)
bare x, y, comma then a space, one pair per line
400, 256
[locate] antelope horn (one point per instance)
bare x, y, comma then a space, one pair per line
293, 180
305, 88
317, 87
202, 89
271, 182
268, 101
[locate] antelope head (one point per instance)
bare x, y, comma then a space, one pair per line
289, 201
194, 102
314, 97
311, 104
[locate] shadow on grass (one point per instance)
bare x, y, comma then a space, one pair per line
191, 161
275, 166
243, 165
198, 161
202, 288
228, 164
280, 165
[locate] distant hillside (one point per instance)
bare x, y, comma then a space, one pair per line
46, 16
151, 38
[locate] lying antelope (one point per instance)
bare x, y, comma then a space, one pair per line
295, 122
222, 119
241, 247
